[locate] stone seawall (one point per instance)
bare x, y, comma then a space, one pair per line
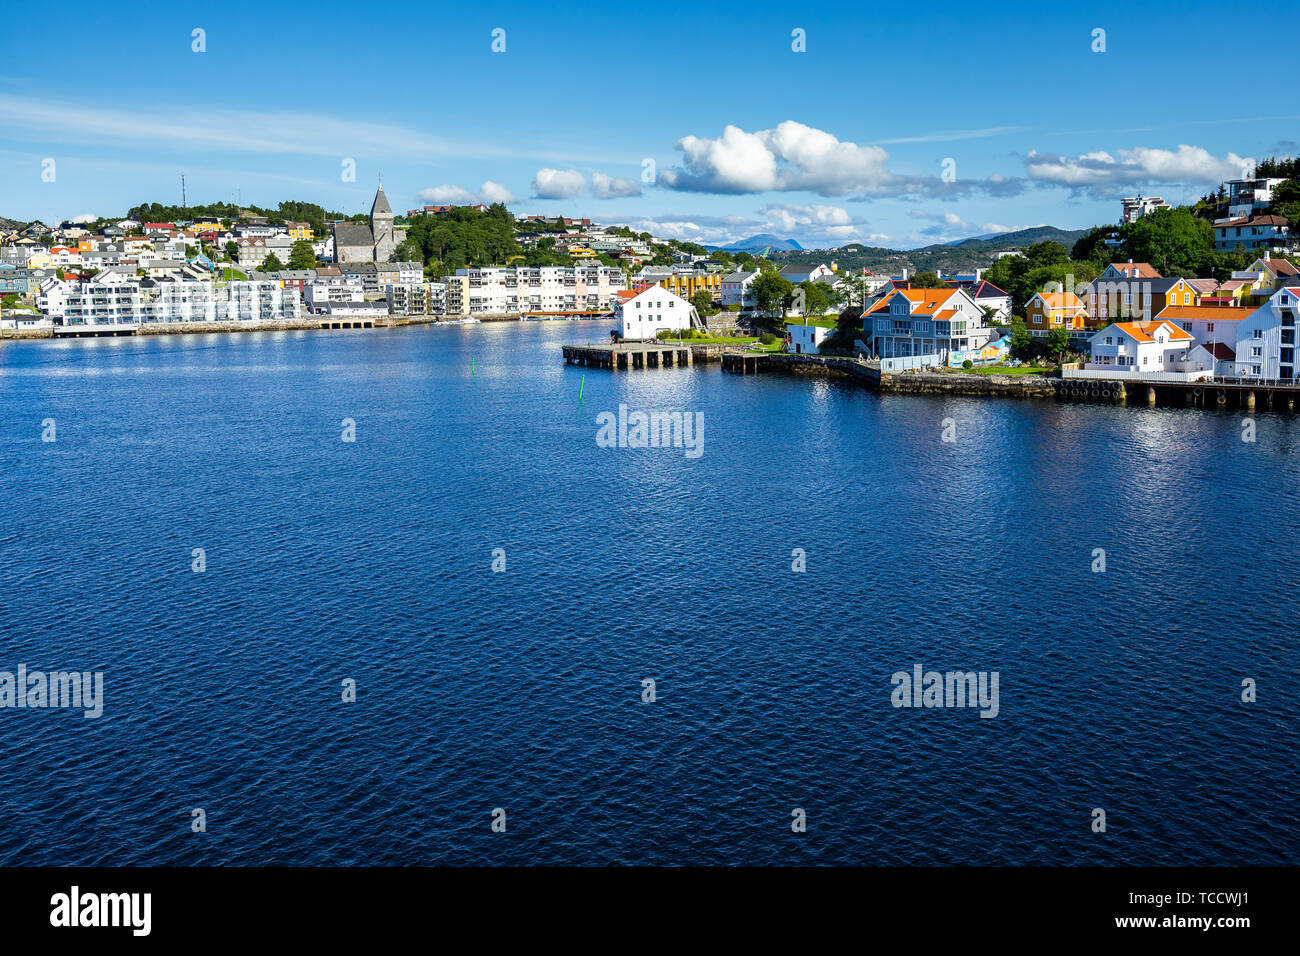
941, 383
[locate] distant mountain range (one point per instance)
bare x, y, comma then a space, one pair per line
759, 243
962, 255
11, 225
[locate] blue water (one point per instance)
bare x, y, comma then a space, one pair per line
371, 560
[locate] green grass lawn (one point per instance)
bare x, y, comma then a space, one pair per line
1000, 370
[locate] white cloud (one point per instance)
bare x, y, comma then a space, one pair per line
226, 130
613, 187
84, 217
558, 183
491, 192
1142, 164
448, 196
812, 220
790, 156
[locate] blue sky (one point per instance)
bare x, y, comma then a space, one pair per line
849, 140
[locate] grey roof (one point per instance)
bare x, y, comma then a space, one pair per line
738, 276
380, 205
356, 268
353, 234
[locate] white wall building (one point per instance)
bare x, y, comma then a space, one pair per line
653, 310
736, 289
805, 339
506, 291
1145, 348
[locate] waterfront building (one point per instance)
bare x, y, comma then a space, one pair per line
1143, 347
925, 323
653, 310
187, 302
806, 339
415, 298
589, 287
91, 303
251, 301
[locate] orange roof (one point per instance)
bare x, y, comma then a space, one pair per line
1145, 331
1211, 312
625, 294
1060, 300
1136, 270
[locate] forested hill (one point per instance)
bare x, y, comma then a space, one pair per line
976, 253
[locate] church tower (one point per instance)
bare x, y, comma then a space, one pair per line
381, 227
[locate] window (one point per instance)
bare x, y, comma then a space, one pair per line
1209, 326
1259, 333
1187, 298
1256, 352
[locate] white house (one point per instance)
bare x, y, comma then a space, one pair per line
653, 310
1143, 348
805, 339
735, 289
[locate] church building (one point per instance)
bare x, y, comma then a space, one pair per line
377, 242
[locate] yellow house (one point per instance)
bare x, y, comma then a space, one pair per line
300, 230
40, 260
686, 284
1055, 310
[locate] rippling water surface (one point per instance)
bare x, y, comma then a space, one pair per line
371, 560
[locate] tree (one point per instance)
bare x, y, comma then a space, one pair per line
1173, 240
302, 256
816, 298
271, 263
703, 302
1021, 342
772, 292
1058, 342
927, 280
232, 250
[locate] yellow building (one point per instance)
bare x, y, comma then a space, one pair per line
686, 284
300, 230
1055, 310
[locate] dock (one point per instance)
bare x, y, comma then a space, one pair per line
629, 355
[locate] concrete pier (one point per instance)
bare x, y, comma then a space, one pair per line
629, 355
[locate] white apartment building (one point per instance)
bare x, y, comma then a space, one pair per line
415, 298
91, 303
318, 297
252, 301
506, 291
188, 302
